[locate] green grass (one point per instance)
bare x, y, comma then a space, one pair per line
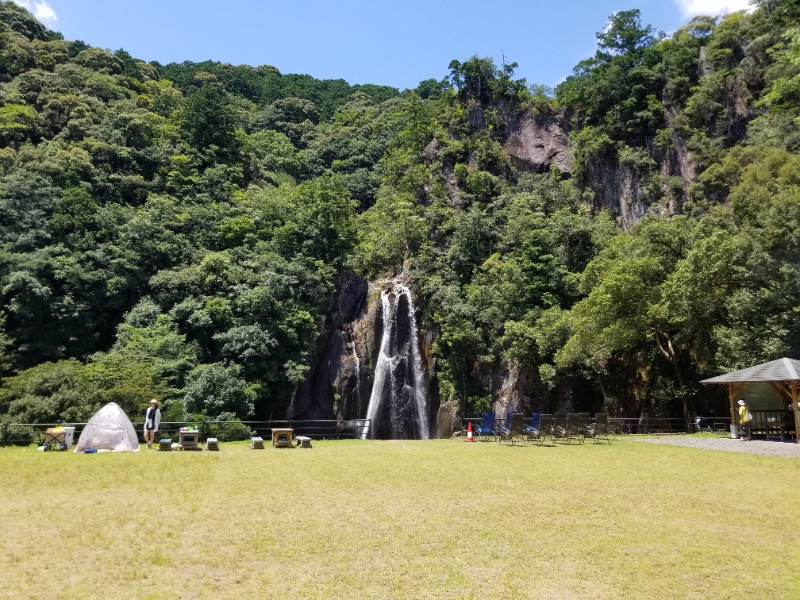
437, 519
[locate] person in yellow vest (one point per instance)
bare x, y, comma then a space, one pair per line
744, 421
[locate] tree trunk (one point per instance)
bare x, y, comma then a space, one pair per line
667, 349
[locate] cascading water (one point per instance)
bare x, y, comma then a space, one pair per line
398, 405
357, 392
357, 361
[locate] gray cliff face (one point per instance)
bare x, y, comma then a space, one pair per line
619, 188
630, 193
539, 143
642, 185
514, 390
330, 388
535, 143
519, 389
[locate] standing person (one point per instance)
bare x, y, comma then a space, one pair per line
744, 421
151, 420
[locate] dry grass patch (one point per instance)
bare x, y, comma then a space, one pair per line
367, 519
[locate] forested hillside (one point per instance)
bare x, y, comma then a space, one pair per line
179, 231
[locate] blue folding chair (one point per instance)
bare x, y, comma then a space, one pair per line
487, 425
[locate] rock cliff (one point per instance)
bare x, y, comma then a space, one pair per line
331, 388
535, 143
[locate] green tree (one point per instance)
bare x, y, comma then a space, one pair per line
210, 123
215, 390
389, 234
50, 392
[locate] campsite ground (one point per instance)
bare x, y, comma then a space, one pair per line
370, 519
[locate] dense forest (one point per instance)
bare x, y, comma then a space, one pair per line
180, 231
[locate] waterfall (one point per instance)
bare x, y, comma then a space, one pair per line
358, 379
398, 404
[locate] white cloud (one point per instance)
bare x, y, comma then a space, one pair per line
40, 9
711, 8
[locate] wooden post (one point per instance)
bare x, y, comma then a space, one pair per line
731, 395
796, 412
734, 389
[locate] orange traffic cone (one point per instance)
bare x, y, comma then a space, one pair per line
469, 432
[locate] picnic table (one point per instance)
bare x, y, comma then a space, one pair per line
189, 439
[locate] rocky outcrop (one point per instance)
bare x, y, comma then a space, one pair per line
448, 419
514, 390
618, 188
536, 143
678, 165
476, 116
334, 379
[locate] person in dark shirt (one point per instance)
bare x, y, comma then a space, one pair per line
151, 420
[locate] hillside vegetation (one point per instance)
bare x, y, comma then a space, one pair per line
179, 231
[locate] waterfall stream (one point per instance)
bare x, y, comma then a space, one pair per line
358, 378
398, 404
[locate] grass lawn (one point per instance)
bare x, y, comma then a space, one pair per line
371, 519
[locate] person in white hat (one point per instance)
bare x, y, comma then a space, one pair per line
152, 417
744, 421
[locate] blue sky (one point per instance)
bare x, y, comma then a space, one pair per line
397, 43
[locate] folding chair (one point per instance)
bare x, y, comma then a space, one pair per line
600, 428
573, 429
559, 426
513, 429
544, 431
535, 420
486, 427
531, 431
583, 425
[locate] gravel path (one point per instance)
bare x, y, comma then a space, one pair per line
782, 449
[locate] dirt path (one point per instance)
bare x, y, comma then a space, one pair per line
782, 449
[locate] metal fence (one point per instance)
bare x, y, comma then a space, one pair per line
647, 425
29, 433
624, 425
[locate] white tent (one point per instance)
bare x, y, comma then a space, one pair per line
109, 429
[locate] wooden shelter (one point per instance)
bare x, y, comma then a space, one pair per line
782, 374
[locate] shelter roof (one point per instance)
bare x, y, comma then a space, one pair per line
783, 369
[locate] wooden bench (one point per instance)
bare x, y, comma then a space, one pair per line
771, 423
